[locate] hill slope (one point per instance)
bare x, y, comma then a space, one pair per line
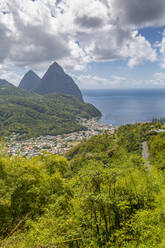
102, 196
24, 111
2, 82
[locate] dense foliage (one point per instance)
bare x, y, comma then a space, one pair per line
101, 195
28, 113
157, 150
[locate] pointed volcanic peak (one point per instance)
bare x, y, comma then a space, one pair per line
30, 81
57, 81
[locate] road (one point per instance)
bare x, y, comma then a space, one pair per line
145, 155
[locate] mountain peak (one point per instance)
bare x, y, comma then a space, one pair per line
30, 81
30, 72
55, 66
57, 81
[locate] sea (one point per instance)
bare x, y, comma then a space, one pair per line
123, 106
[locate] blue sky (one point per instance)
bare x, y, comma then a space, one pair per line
100, 43
152, 34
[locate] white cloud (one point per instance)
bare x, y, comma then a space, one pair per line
43, 30
114, 81
10, 73
140, 50
35, 33
96, 82
162, 50
159, 79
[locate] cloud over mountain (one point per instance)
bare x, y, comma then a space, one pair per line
75, 33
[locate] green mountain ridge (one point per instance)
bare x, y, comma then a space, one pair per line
27, 112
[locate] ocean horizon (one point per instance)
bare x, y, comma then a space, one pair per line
127, 106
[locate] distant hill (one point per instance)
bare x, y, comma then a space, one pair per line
57, 81
8, 89
30, 81
27, 112
4, 82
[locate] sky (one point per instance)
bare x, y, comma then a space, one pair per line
102, 44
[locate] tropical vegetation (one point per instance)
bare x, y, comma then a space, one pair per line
99, 195
30, 114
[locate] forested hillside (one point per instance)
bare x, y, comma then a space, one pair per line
30, 114
100, 195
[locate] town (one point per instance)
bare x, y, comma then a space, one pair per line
59, 144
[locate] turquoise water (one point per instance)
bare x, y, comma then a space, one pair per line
122, 106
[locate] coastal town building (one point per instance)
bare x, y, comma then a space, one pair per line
59, 144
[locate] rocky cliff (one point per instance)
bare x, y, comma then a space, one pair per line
30, 81
56, 80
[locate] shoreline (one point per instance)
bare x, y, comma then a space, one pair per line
59, 144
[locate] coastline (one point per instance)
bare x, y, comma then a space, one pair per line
59, 144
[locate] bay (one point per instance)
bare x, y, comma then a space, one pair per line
123, 106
